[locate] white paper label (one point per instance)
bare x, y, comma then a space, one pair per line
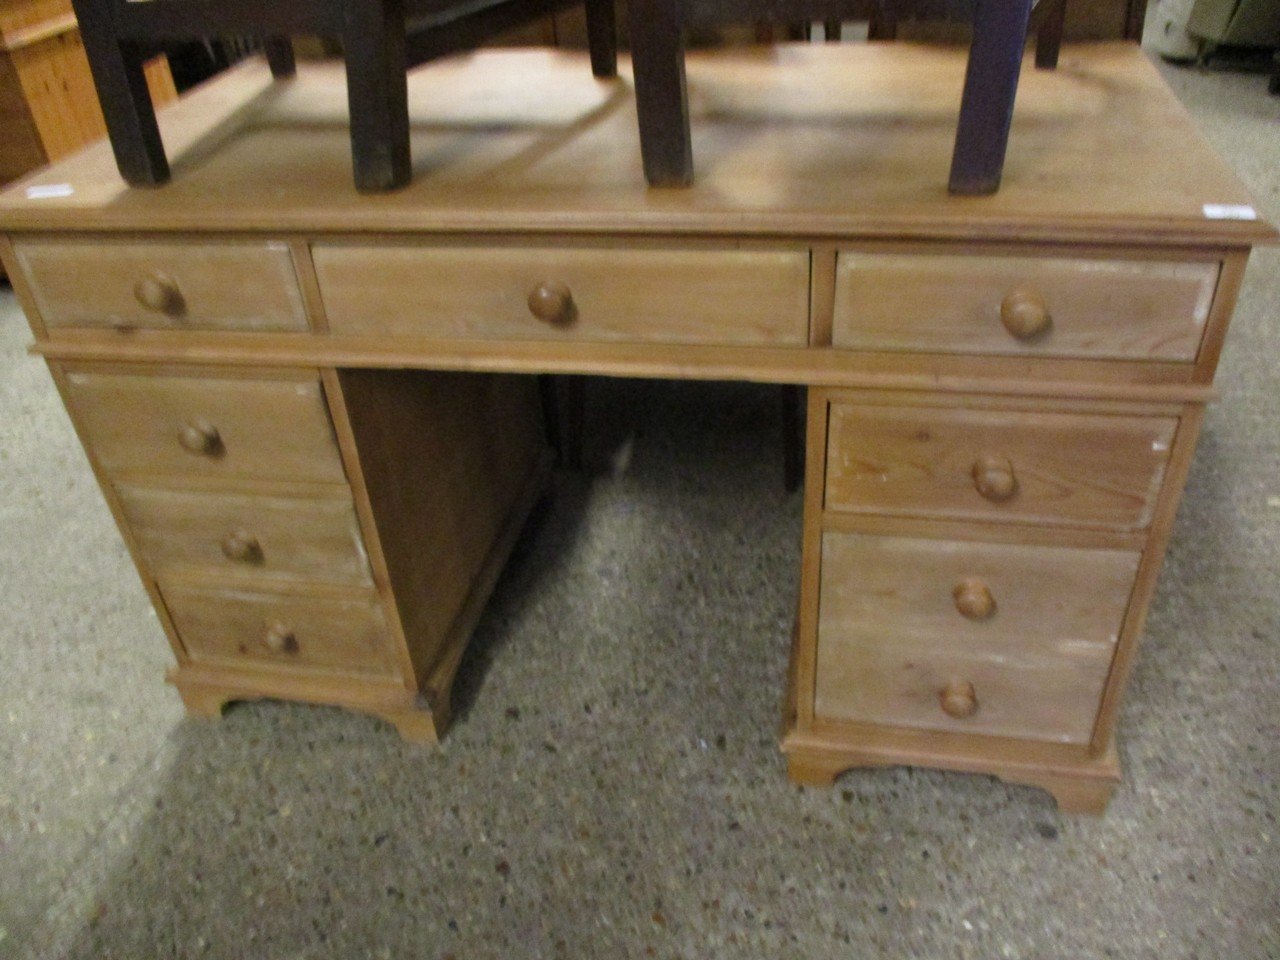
49, 191
1229, 211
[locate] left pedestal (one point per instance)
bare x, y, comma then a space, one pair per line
314, 535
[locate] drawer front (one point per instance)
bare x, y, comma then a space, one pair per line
680, 296
258, 538
204, 286
202, 427
330, 635
1000, 639
1052, 468
1052, 307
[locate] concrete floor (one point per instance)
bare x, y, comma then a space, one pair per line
613, 785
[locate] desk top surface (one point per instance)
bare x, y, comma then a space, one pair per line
842, 140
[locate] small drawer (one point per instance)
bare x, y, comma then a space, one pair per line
202, 427
1052, 468
346, 635
196, 286
1030, 306
1001, 639
671, 296
258, 538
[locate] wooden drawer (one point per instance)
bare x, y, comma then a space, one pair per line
1028, 657
1045, 306
1052, 468
259, 538
347, 635
196, 286
201, 427
673, 296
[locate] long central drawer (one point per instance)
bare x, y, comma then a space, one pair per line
667, 295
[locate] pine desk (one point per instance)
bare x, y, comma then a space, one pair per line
305, 411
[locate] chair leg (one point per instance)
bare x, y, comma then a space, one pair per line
602, 38
1049, 36
662, 103
280, 57
117, 69
990, 86
373, 38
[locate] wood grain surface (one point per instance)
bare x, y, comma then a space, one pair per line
817, 139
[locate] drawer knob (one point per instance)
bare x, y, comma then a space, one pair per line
159, 292
994, 478
1025, 314
201, 438
243, 547
280, 639
973, 599
552, 302
958, 699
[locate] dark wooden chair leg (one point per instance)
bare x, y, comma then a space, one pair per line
990, 86
657, 52
1049, 36
602, 38
126, 101
373, 38
280, 57
792, 437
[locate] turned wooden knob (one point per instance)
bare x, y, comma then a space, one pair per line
552, 302
958, 699
200, 437
1025, 314
242, 547
973, 599
280, 639
159, 292
993, 477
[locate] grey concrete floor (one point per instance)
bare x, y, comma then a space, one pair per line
613, 785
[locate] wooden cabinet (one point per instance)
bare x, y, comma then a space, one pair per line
305, 405
48, 106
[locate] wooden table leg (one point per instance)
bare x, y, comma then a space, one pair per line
373, 39
657, 54
118, 74
990, 85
